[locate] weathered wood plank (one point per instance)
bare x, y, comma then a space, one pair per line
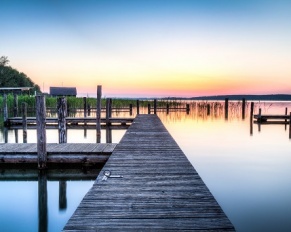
56, 153
151, 185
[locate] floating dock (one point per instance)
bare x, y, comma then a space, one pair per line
148, 184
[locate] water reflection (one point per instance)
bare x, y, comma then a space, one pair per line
246, 168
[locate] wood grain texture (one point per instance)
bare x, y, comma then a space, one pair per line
77, 153
160, 190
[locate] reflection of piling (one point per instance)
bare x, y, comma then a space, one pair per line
42, 201
41, 131
226, 108
62, 195
137, 106
62, 114
251, 117
98, 114
24, 121
243, 108
155, 106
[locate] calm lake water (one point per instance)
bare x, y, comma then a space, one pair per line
248, 172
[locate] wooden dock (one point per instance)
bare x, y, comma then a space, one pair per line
148, 184
73, 153
272, 118
69, 120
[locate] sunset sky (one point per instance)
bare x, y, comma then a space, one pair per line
151, 48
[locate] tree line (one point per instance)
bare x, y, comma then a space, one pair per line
10, 77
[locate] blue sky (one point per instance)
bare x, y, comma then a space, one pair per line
153, 47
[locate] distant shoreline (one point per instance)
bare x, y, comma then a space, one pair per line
266, 97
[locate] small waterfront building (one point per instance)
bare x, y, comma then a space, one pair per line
14, 90
63, 91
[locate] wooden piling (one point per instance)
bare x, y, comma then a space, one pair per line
62, 114
98, 114
85, 106
208, 109
168, 108
89, 110
130, 109
187, 108
290, 126
137, 106
226, 108
62, 195
108, 111
15, 105
155, 106
243, 108
149, 108
251, 118
5, 109
108, 134
41, 131
24, 121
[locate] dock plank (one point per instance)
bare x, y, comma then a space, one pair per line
159, 189
77, 153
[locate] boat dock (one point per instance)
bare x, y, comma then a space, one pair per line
148, 184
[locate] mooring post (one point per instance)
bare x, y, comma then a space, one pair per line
155, 106
24, 121
89, 109
243, 108
98, 114
208, 109
149, 108
130, 109
137, 106
108, 111
108, 134
259, 119
16, 135
62, 195
187, 108
251, 117
15, 105
85, 106
5, 109
62, 114
226, 108
42, 201
168, 108
41, 131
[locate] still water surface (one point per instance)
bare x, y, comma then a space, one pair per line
247, 172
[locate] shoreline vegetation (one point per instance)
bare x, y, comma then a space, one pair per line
78, 102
